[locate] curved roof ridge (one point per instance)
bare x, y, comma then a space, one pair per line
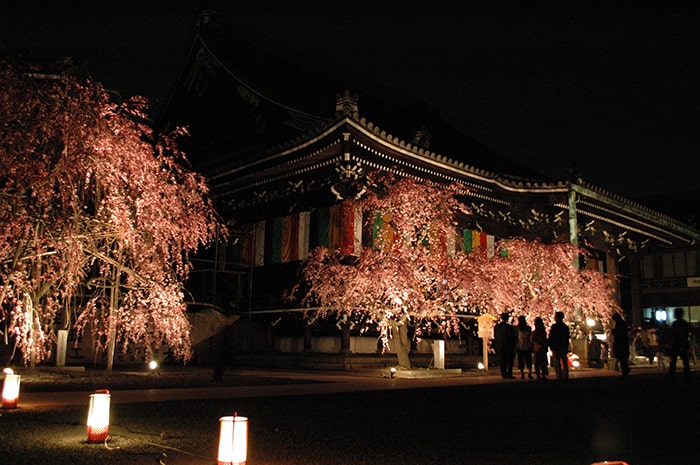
422, 151
228, 70
638, 206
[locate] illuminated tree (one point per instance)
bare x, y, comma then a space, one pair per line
414, 276
535, 279
407, 278
93, 210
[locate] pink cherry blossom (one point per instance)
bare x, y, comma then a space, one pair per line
97, 215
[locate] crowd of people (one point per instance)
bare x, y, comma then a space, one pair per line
529, 348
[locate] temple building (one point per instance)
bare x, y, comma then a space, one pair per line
282, 147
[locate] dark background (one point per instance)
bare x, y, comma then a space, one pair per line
606, 93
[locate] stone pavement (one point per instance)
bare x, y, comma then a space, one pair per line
186, 383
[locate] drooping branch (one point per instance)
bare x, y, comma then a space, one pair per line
85, 188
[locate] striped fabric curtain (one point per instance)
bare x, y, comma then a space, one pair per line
383, 233
349, 228
473, 239
339, 228
295, 237
287, 238
290, 238
252, 245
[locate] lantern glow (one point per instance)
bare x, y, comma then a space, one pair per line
233, 440
10, 389
98, 416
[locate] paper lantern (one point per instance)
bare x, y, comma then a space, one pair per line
233, 440
10, 389
98, 416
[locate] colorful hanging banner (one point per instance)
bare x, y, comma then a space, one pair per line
383, 233
290, 238
244, 248
295, 237
338, 227
350, 229
490, 246
273, 241
467, 240
472, 240
321, 223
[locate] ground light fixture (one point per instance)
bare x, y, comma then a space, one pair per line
10, 389
233, 440
98, 416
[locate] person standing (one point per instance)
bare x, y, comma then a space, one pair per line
540, 347
504, 338
559, 343
660, 342
680, 332
692, 346
523, 347
621, 344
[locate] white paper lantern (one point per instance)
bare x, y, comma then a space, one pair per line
233, 440
10, 389
98, 416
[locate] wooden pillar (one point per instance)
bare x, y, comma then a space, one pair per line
635, 290
573, 224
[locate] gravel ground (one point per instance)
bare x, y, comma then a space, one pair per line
643, 420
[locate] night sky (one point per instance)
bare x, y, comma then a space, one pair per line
612, 93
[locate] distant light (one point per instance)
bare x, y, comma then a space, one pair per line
480, 366
590, 322
153, 365
574, 360
661, 315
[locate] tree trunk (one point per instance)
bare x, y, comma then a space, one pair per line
112, 325
401, 342
111, 344
345, 337
307, 337
33, 332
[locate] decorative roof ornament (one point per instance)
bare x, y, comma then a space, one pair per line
346, 105
422, 138
351, 180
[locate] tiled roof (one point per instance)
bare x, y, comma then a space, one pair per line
245, 105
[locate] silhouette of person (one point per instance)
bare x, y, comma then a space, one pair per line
660, 342
621, 344
504, 341
692, 346
540, 347
680, 332
559, 343
523, 347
